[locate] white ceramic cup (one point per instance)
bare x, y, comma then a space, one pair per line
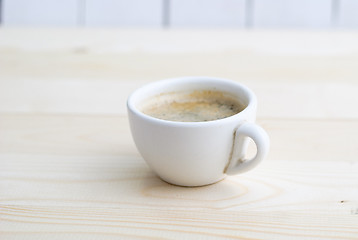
197, 153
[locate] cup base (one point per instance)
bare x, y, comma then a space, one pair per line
192, 185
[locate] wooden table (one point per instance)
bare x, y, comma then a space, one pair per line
69, 168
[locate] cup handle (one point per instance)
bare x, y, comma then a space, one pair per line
237, 162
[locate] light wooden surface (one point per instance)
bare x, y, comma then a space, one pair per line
69, 168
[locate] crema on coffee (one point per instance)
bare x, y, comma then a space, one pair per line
195, 106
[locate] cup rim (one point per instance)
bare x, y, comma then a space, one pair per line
252, 101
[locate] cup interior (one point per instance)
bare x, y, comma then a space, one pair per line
240, 92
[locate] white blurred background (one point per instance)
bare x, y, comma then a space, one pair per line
267, 14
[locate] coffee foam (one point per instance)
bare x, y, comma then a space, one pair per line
194, 106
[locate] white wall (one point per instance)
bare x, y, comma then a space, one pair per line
206, 13
348, 11
312, 14
40, 12
146, 13
292, 13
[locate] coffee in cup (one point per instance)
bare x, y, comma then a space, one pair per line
193, 106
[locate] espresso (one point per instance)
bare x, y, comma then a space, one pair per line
196, 106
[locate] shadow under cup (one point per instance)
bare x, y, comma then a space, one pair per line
190, 153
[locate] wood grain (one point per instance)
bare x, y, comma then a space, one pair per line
100, 135
119, 196
95, 70
89, 178
104, 54
70, 170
